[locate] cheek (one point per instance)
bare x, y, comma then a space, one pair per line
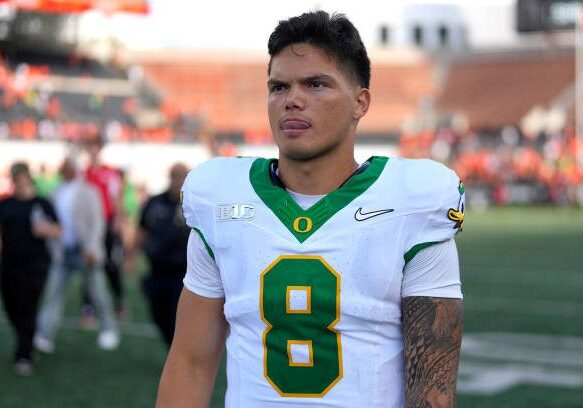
337, 113
272, 107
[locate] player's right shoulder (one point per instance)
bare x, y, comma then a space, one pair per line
212, 183
214, 173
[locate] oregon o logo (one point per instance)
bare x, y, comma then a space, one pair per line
303, 224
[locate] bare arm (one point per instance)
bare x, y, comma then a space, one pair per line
433, 333
46, 229
191, 367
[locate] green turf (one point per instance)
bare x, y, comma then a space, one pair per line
81, 375
517, 258
522, 273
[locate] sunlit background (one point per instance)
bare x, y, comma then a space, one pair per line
493, 89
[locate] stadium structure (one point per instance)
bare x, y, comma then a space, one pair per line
489, 90
504, 116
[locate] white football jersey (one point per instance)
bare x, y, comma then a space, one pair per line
313, 297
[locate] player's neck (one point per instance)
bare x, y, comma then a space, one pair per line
315, 177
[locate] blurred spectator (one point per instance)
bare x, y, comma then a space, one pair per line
109, 183
163, 235
131, 203
81, 247
4, 131
47, 130
45, 182
26, 222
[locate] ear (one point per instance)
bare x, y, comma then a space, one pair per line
362, 102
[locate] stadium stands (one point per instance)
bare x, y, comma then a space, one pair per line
496, 90
487, 115
68, 97
229, 89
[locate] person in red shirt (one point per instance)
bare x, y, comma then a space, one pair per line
109, 182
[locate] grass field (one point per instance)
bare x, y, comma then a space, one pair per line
523, 286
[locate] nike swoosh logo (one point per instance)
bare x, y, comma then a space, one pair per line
360, 216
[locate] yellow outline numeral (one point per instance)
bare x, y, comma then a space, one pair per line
326, 330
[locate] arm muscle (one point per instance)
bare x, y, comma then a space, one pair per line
432, 334
191, 367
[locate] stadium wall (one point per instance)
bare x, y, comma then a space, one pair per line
145, 164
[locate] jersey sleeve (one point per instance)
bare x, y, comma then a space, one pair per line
433, 272
191, 203
202, 274
197, 195
197, 208
443, 216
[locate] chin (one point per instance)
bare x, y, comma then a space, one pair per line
305, 154
298, 156
304, 150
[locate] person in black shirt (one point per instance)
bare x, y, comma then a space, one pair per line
163, 235
26, 222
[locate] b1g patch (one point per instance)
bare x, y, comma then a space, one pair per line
230, 212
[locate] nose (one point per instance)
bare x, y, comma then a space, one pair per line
295, 99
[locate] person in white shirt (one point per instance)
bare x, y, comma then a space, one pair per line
80, 248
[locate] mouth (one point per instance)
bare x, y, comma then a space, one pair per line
294, 127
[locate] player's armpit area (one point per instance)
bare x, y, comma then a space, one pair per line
432, 335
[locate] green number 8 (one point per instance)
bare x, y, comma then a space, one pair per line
300, 303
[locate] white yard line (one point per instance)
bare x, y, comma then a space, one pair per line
536, 307
495, 362
550, 350
491, 362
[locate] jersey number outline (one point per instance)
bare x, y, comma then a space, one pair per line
302, 352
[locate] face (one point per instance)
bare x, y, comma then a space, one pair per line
313, 104
23, 185
68, 170
93, 150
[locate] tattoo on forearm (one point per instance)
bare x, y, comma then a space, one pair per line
432, 334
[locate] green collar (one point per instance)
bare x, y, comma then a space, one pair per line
303, 223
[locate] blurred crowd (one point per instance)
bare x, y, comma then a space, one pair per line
89, 222
506, 166
70, 98
500, 166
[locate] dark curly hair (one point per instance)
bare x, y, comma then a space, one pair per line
334, 33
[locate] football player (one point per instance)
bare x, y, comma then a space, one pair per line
334, 283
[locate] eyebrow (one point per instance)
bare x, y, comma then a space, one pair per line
316, 77
272, 82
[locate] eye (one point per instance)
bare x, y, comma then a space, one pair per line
317, 84
276, 87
